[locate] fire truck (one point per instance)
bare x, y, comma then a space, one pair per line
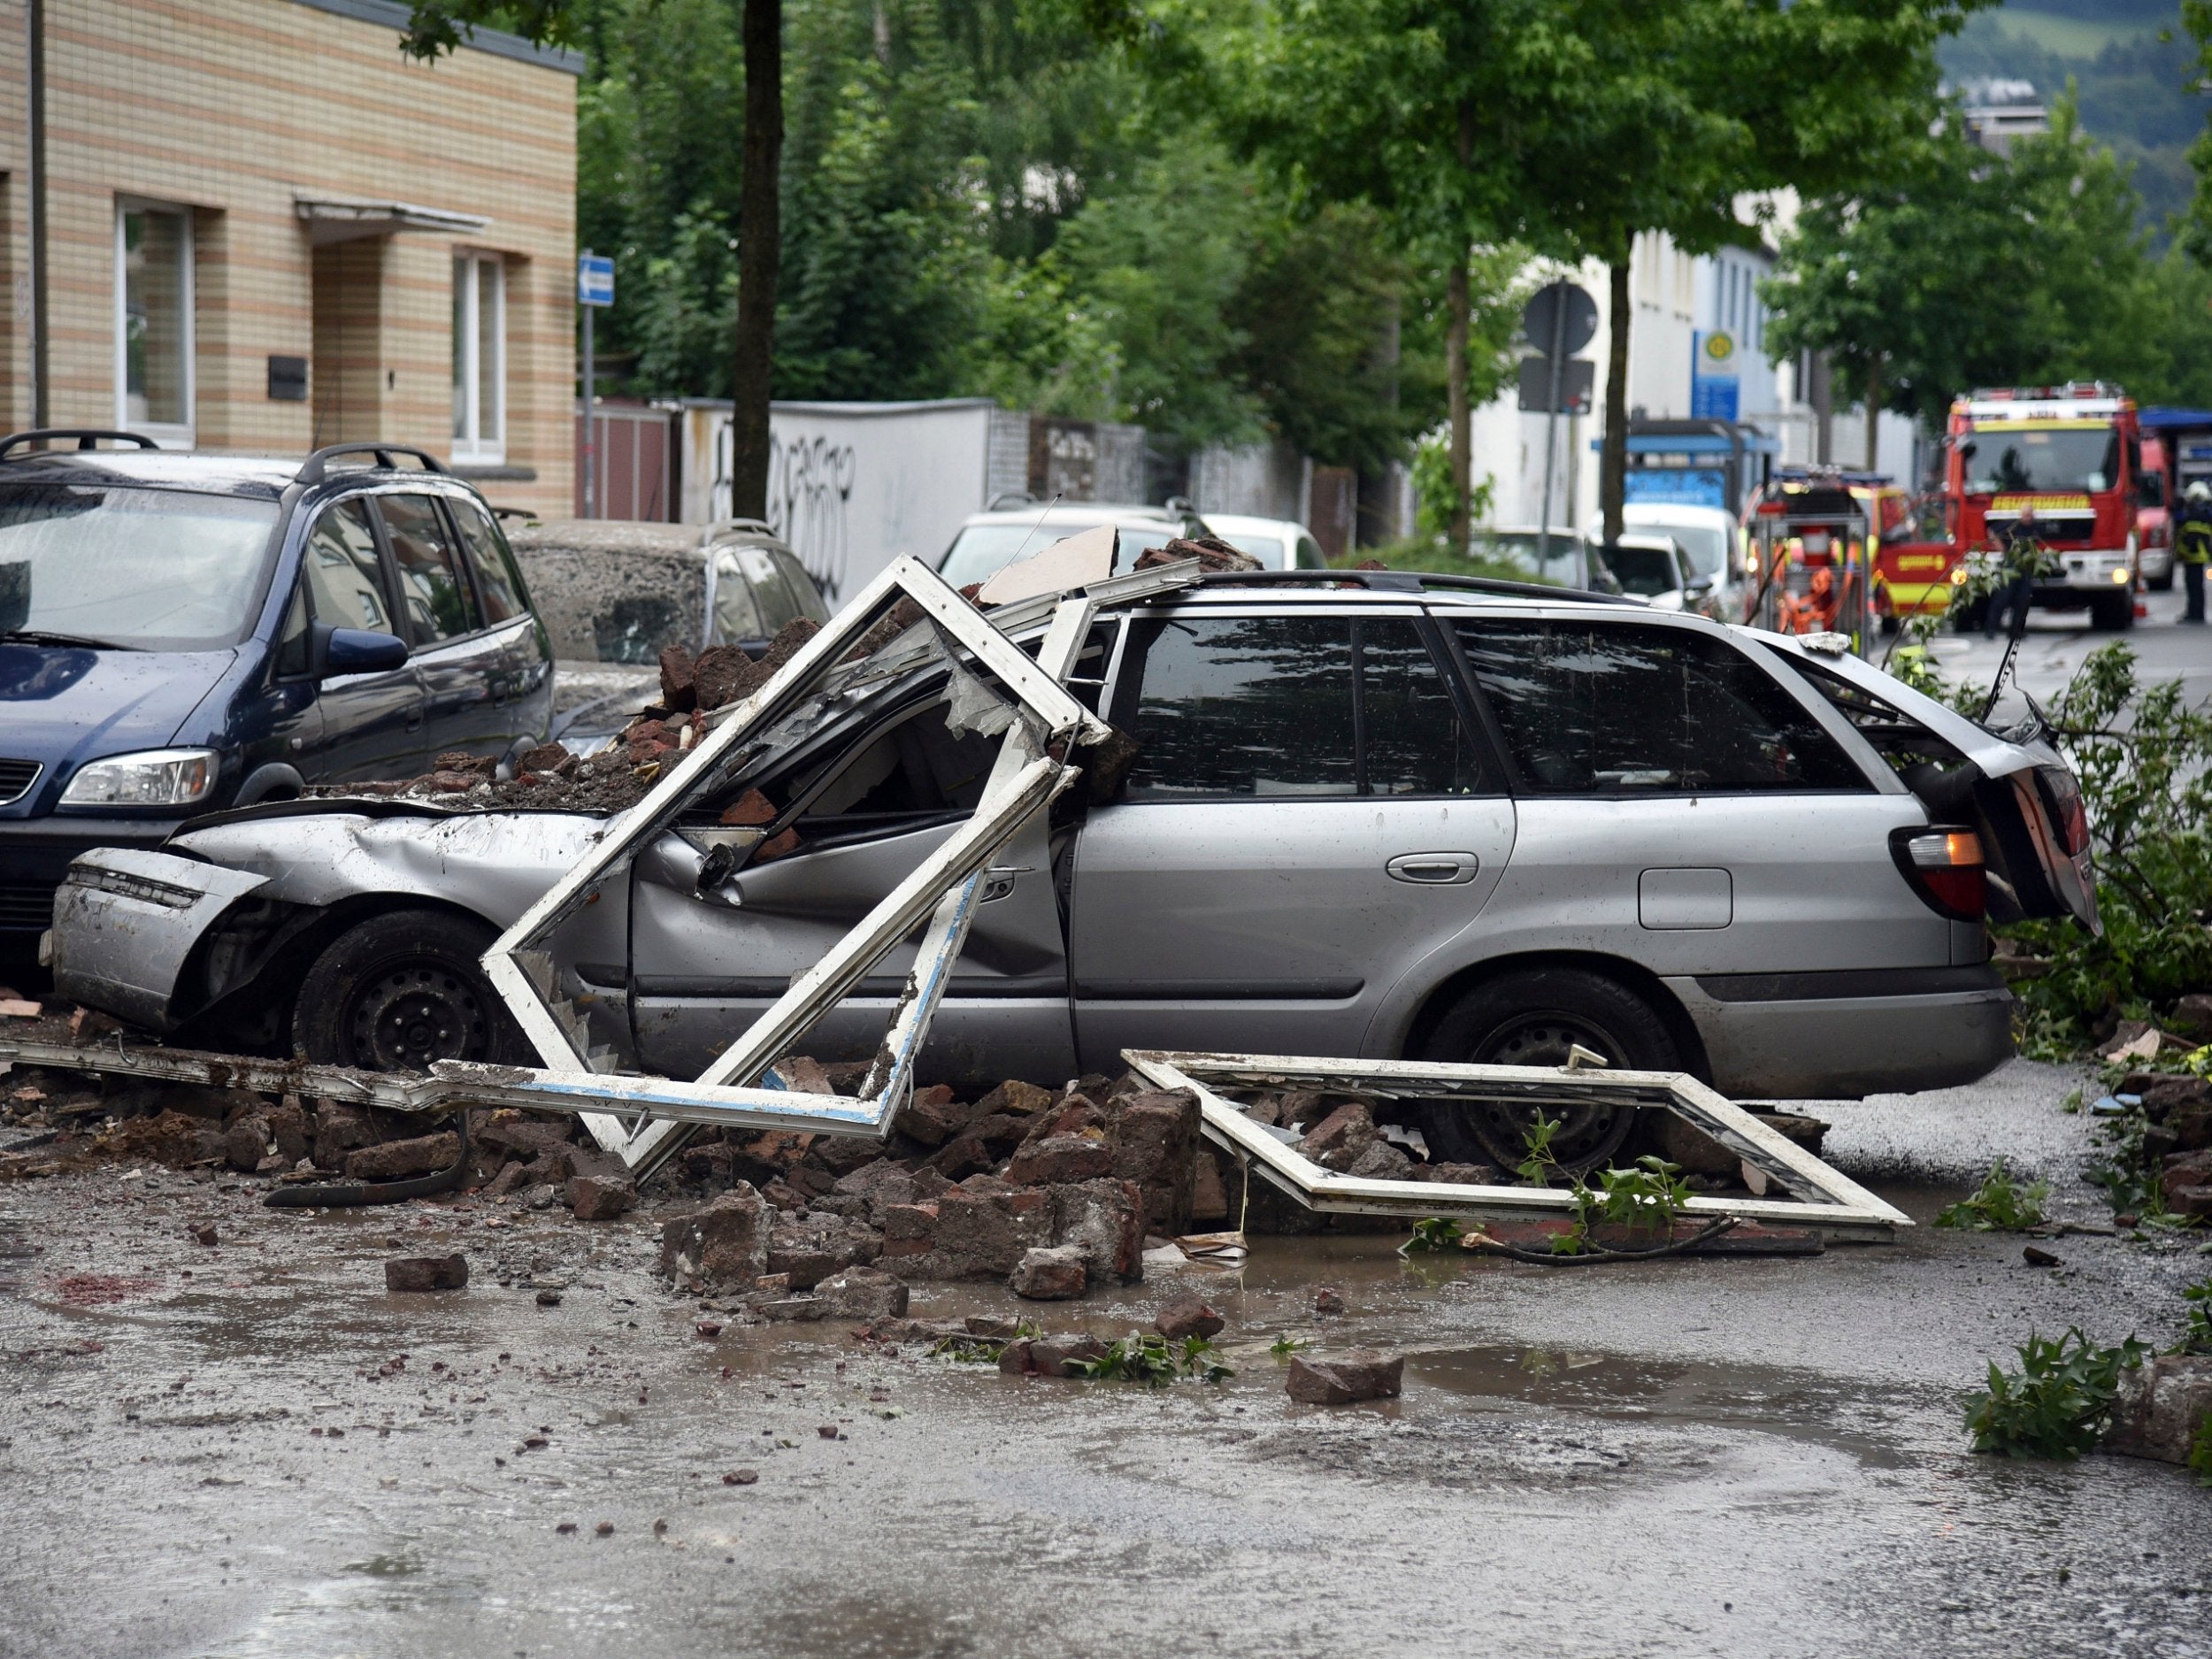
2073, 454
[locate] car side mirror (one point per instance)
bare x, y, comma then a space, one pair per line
357, 651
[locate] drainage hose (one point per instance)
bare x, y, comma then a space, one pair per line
344, 1195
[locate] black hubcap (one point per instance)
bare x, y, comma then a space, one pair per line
1587, 1134
407, 1017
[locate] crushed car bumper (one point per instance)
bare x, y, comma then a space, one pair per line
1839, 1035
125, 921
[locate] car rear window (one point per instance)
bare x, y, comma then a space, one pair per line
1607, 709
498, 585
1277, 707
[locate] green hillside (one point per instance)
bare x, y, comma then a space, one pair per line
2130, 83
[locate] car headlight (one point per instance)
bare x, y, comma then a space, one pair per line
154, 777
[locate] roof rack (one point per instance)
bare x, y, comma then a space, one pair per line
1413, 582
87, 437
318, 465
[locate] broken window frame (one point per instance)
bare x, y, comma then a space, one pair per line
1830, 1202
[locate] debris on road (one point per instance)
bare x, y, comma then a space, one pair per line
427, 1273
1360, 1373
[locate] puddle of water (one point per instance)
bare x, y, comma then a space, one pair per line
1797, 1405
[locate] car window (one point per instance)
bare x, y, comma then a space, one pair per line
490, 561
432, 594
1412, 741
1239, 706
344, 577
803, 590
294, 654
778, 603
1594, 708
1309, 555
736, 612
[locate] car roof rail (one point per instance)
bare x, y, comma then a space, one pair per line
1007, 498
87, 437
1413, 582
758, 526
318, 465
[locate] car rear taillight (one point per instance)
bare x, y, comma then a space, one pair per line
1944, 869
2068, 815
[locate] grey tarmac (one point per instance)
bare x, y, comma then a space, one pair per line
1759, 1456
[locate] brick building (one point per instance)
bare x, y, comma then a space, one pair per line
266, 230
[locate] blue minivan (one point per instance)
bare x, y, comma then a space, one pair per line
184, 634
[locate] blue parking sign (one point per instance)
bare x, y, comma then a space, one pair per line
595, 280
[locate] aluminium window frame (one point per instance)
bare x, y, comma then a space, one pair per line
1830, 1202
168, 434
643, 1120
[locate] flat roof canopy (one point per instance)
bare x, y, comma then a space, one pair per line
346, 218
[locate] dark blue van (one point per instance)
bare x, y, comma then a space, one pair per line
184, 634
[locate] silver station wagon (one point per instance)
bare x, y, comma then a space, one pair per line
1370, 814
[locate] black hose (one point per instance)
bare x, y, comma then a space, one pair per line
344, 1195
1593, 1252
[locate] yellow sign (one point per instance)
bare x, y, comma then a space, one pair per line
2012, 504
1720, 346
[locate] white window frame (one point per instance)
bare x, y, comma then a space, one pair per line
472, 447
169, 434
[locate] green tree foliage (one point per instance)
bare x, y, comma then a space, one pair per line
1971, 269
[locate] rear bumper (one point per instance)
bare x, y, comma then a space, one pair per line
34, 854
1838, 1036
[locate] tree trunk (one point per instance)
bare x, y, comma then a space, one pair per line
1613, 465
759, 252
1463, 447
1874, 412
1457, 309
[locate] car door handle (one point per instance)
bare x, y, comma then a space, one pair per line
998, 881
1434, 870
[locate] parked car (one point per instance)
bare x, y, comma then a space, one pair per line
1710, 536
1650, 567
1415, 817
1522, 548
182, 633
1279, 544
1015, 529
614, 592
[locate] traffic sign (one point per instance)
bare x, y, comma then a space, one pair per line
1575, 379
595, 280
1578, 325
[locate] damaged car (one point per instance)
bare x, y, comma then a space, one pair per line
1366, 814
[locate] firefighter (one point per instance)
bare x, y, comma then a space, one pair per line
2023, 541
2192, 545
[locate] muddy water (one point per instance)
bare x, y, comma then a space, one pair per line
253, 1450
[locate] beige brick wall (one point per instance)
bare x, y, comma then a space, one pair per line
230, 107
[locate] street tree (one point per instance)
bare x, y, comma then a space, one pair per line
1571, 125
438, 26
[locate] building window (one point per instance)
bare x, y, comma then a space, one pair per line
479, 357
153, 321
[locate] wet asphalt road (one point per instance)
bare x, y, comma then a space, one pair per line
2057, 641
1754, 1457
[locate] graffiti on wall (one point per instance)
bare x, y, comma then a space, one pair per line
810, 493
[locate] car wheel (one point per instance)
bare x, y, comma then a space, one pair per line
402, 990
1536, 1018
2112, 613
2161, 584
1889, 626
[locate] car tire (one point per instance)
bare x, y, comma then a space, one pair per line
2112, 613
404, 989
1532, 1019
2161, 584
1889, 627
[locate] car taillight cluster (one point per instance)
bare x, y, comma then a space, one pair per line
1945, 868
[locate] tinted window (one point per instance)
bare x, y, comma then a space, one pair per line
345, 580
498, 588
1412, 741
1265, 707
294, 656
736, 614
808, 597
1598, 709
433, 593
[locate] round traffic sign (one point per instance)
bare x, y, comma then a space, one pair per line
1578, 326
